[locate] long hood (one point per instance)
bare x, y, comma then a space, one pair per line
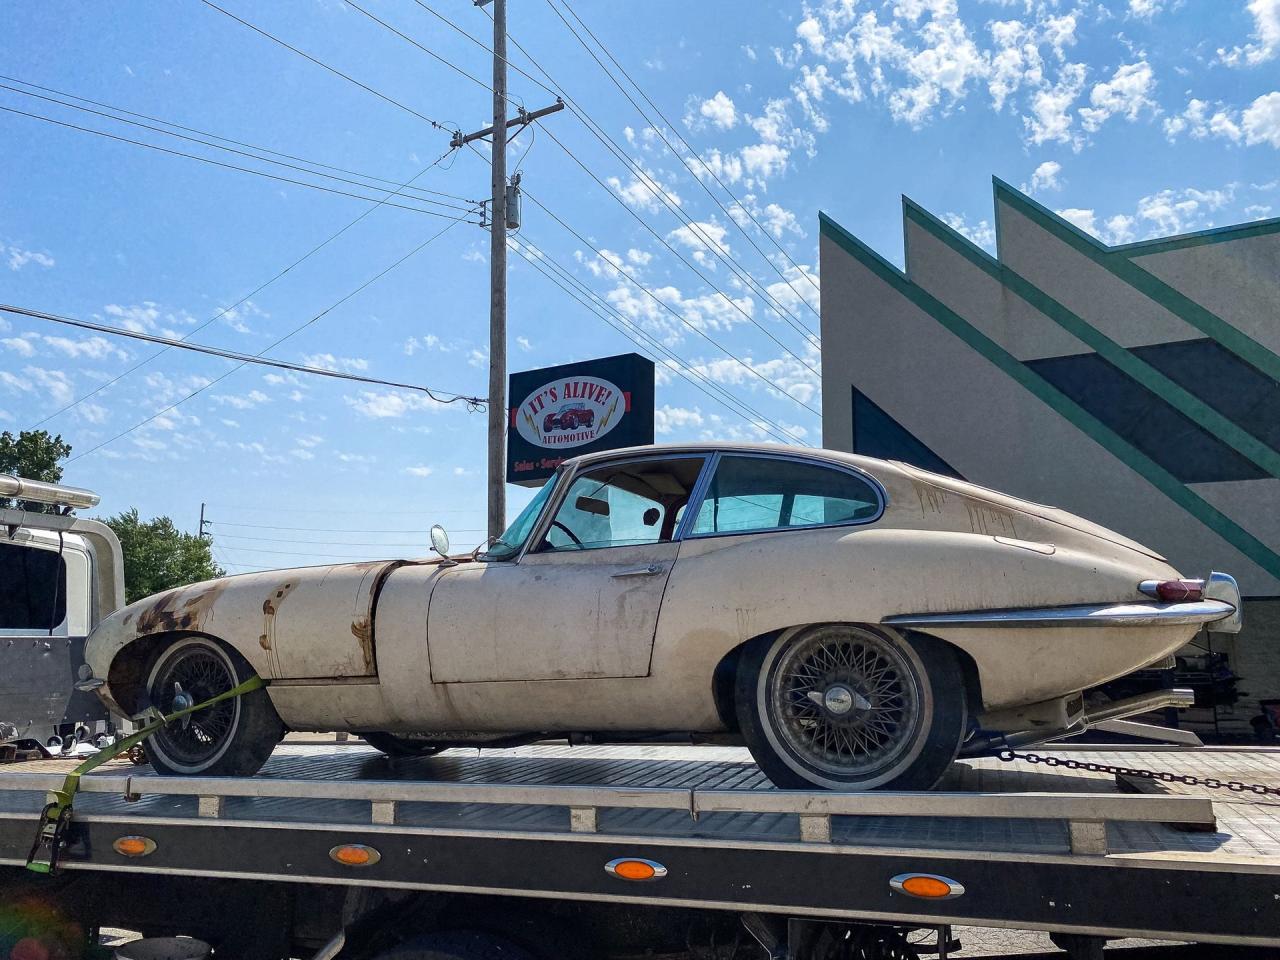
302, 623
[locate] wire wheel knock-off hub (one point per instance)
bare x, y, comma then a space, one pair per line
846, 700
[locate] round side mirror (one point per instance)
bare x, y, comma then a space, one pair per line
439, 540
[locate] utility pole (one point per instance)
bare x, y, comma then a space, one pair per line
500, 219
203, 521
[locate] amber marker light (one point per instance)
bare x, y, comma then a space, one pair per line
926, 886
635, 868
133, 846
354, 855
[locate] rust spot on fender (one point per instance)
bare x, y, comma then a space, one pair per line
362, 630
180, 610
267, 639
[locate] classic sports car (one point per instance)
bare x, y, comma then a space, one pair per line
569, 417
857, 623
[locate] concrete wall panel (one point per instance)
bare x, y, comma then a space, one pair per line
1239, 280
1127, 316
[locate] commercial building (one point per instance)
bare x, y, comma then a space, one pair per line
1137, 385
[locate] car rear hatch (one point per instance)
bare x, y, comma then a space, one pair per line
1039, 510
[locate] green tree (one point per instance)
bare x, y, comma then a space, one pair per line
158, 556
36, 455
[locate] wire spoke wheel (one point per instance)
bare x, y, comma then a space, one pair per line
188, 675
845, 701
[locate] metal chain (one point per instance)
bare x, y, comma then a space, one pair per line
1212, 783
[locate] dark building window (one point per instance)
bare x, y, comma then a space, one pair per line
876, 434
33, 588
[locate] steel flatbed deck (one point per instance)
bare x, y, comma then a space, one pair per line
1033, 848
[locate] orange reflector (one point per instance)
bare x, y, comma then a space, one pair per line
133, 846
355, 855
926, 886
634, 868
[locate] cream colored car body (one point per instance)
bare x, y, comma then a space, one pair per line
557, 642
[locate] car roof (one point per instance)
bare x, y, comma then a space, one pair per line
817, 454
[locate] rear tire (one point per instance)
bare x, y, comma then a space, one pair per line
851, 707
233, 738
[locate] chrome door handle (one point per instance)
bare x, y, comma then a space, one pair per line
652, 570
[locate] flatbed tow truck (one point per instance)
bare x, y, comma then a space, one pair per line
585, 852
603, 851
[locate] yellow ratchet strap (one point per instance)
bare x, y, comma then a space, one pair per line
56, 815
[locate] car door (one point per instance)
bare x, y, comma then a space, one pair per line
583, 600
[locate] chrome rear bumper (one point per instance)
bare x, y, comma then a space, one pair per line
1220, 607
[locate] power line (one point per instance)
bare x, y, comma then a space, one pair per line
219, 163
428, 51
243, 358
676, 253
558, 274
272, 345
242, 153
644, 178
270, 526
323, 65
239, 143
254, 292
666, 306
324, 543
676, 130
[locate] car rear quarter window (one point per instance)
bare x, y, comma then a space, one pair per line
767, 493
33, 588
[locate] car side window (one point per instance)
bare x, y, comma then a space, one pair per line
34, 596
765, 493
623, 504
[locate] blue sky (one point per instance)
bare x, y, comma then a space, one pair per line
1135, 118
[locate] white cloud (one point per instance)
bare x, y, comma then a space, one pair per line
705, 238
1127, 94
327, 361
643, 191
53, 384
91, 412
667, 419
1145, 9
380, 405
20, 345
1045, 176
1051, 119
245, 401
524, 344
1266, 36
419, 471
718, 110
1261, 120
92, 348
981, 233
19, 258
1084, 219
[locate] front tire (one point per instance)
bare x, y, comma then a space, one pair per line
849, 707
233, 738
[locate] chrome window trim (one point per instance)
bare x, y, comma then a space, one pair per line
1079, 615
882, 496
557, 499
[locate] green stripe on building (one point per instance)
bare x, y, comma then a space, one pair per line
1156, 475
1120, 265
1139, 370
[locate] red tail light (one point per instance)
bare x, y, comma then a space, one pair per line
1173, 591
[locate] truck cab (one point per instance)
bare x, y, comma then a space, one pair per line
60, 575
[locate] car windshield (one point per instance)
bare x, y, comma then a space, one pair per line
509, 544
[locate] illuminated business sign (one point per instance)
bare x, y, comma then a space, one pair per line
576, 408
